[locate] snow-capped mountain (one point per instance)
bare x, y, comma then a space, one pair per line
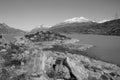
85, 26
39, 28
42, 26
78, 19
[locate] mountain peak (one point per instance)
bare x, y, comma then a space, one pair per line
78, 19
40, 28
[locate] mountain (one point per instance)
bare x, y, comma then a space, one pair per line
86, 26
40, 28
111, 27
73, 25
8, 33
5, 29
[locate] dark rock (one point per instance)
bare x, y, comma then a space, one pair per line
104, 77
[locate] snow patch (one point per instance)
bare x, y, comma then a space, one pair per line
78, 19
103, 21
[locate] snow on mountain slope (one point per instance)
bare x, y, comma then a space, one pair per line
103, 21
40, 28
78, 19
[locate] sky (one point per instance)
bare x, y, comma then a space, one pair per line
28, 14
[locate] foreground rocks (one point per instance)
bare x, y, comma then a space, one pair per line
54, 59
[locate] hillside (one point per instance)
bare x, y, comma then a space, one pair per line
111, 27
73, 27
9, 33
5, 29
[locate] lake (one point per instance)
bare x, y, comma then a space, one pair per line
107, 48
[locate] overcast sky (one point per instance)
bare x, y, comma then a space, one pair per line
27, 14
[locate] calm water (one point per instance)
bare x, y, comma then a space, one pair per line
106, 48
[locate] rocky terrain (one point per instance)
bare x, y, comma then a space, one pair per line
45, 36
47, 55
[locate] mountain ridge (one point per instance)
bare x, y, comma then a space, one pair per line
9, 33
78, 19
110, 27
5, 29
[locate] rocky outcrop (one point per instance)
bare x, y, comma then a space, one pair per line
52, 60
45, 36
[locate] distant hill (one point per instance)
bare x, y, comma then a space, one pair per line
72, 27
111, 27
37, 29
9, 33
5, 29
